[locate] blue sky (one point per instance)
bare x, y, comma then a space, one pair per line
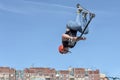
30, 33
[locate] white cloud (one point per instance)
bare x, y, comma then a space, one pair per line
12, 7
30, 7
47, 4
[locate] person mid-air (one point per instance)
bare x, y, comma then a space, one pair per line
70, 38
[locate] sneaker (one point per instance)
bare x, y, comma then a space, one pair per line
79, 9
78, 5
92, 15
84, 13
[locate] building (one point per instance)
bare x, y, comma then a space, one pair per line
62, 75
39, 73
78, 74
42, 73
7, 73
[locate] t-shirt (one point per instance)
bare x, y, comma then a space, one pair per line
70, 43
